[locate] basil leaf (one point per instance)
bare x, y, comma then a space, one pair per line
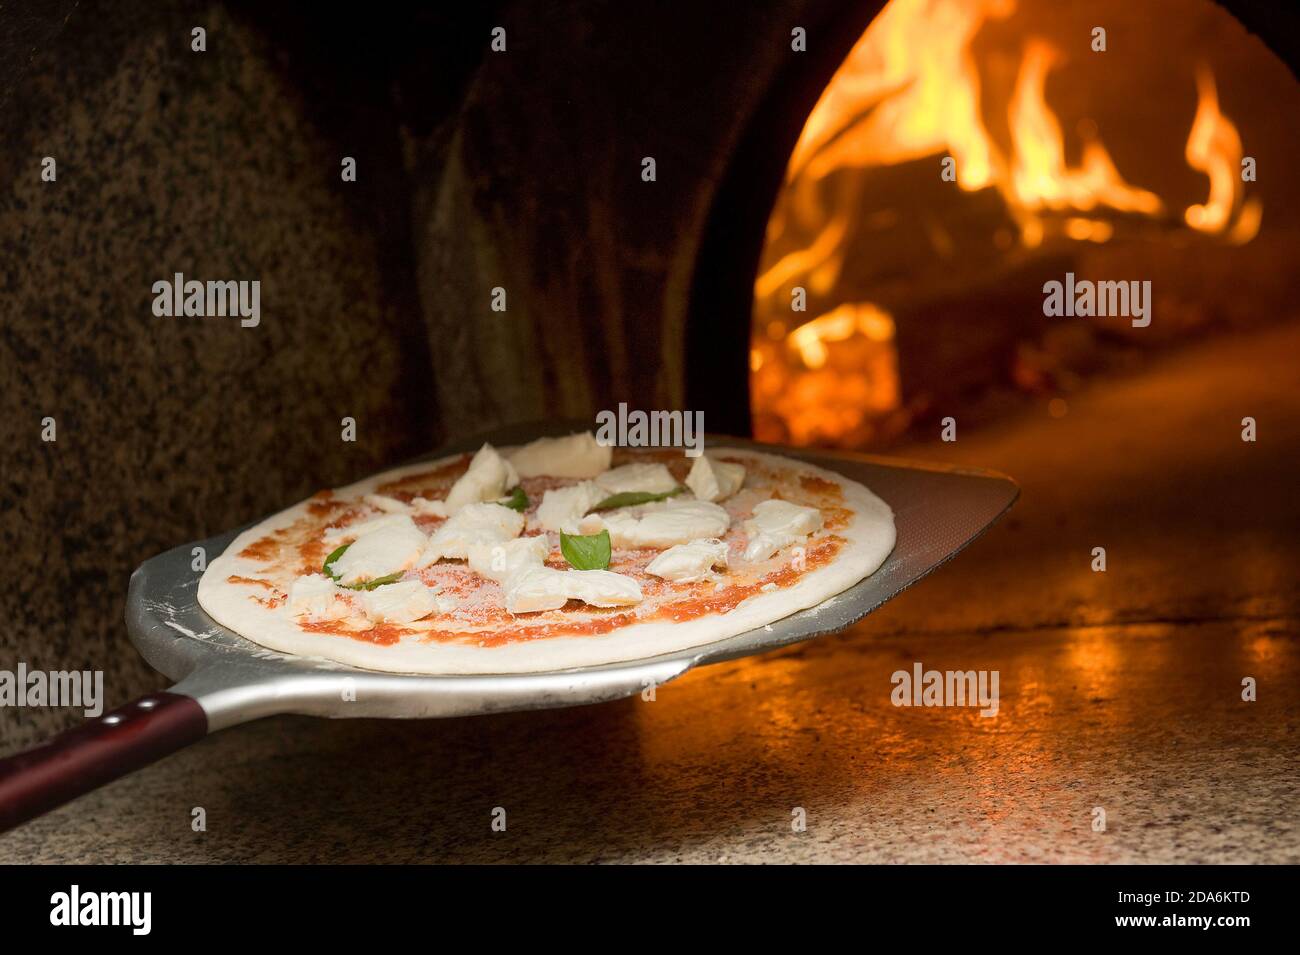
365, 584
630, 498
377, 582
517, 501
329, 562
586, 552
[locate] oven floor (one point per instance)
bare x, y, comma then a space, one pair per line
1119, 690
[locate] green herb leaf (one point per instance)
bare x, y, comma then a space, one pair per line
586, 552
517, 501
329, 562
630, 498
365, 584
377, 582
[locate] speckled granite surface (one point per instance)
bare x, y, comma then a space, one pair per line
1148, 728
169, 429
1118, 690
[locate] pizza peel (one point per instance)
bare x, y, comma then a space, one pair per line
223, 679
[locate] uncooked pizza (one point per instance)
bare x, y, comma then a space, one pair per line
557, 554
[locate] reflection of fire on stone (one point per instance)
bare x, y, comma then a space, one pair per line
960, 146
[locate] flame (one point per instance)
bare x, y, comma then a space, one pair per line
1040, 178
1214, 148
838, 326
910, 89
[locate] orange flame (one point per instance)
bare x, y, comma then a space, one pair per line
1214, 148
1040, 178
910, 88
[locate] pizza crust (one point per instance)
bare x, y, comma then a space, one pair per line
869, 538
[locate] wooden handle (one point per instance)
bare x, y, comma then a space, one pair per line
84, 758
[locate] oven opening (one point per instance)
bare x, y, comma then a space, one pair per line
969, 152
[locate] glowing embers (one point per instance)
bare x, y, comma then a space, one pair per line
833, 380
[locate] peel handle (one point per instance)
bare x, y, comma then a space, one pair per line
88, 756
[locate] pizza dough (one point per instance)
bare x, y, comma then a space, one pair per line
463, 626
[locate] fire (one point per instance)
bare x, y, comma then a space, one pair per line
1214, 148
1040, 178
829, 380
838, 326
910, 89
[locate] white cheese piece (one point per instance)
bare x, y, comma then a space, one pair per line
545, 588
389, 505
563, 508
778, 524
575, 456
341, 535
316, 597
650, 478
382, 551
446, 604
686, 563
424, 506
601, 588
674, 522
473, 524
711, 480
503, 560
402, 602
531, 586
537, 588
488, 478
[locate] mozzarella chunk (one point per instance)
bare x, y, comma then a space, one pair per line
418, 505
426, 507
686, 563
529, 585
402, 602
601, 588
675, 522
711, 480
488, 478
316, 597
502, 560
545, 588
778, 524
650, 478
575, 456
389, 505
377, 553
563, 508
341, 535
473, 524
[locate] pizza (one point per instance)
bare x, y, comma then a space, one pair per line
557, 554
